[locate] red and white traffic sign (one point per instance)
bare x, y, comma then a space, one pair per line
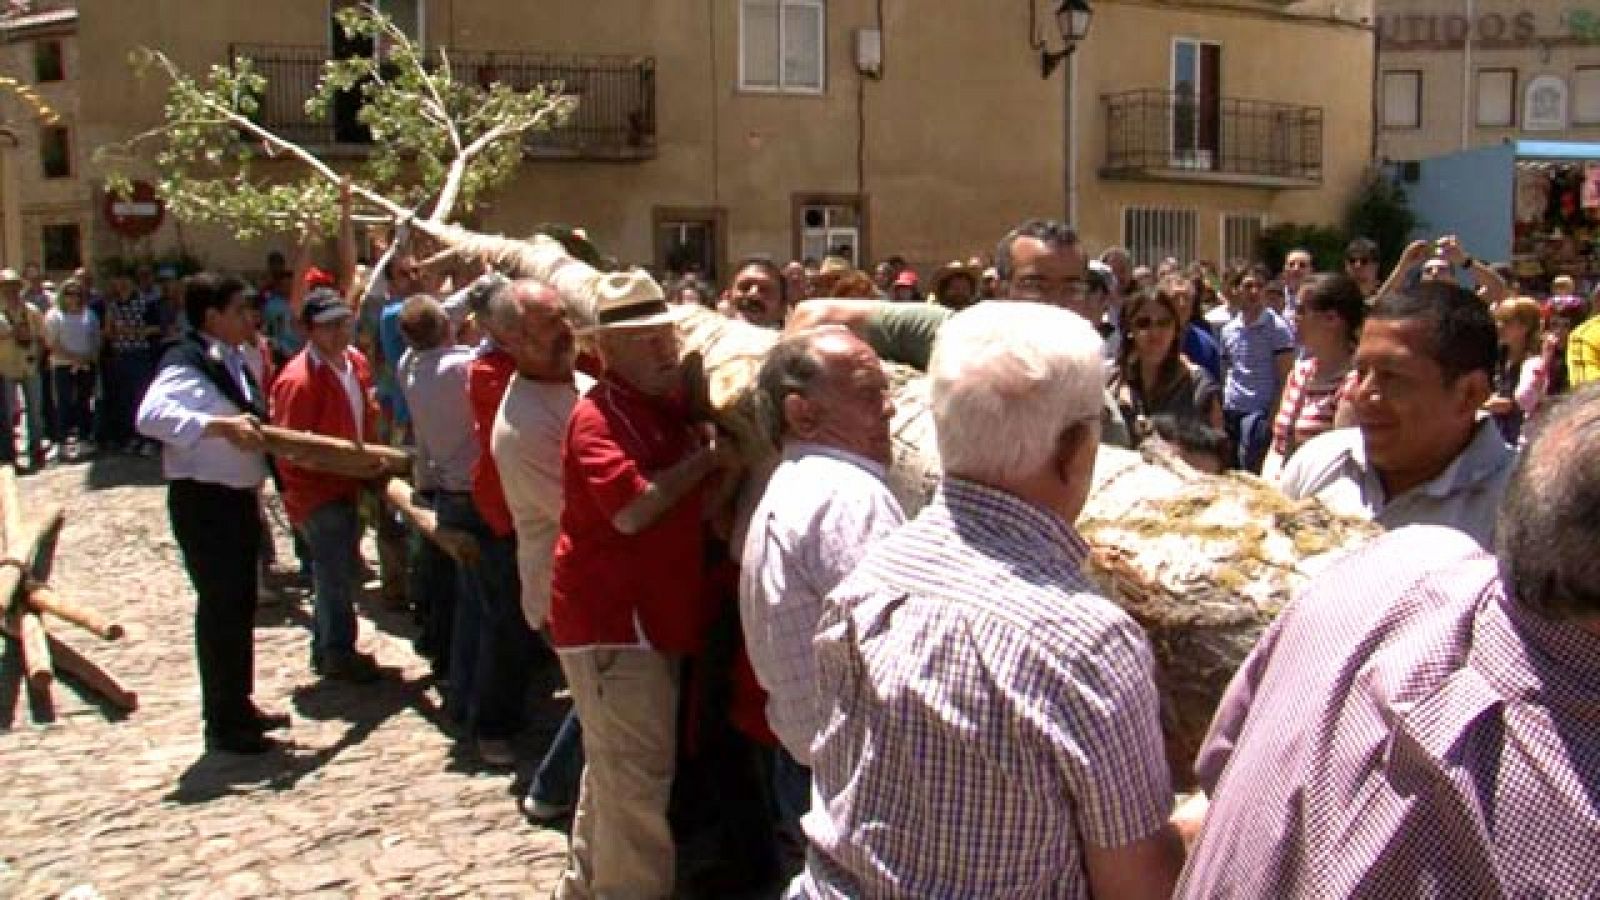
137, 214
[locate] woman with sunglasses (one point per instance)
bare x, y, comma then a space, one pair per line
1317, 396
1152, 377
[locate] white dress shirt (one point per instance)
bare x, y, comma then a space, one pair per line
820, 512
176, 409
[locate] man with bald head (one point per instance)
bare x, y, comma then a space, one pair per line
827, 409
526, 443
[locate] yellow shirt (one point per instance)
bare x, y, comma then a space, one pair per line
18, 359
1583, 353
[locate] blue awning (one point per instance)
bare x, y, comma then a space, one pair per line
1573, 150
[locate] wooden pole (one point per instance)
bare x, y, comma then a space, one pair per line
22, 549
44, 599
70, 662
34, 643
458, 545
336, 455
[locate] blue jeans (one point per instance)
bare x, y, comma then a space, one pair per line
435, 583
333, 533
491, 646
1251, 433
556, 782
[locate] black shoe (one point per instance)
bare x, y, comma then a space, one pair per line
241, 742
266, 721
356, 668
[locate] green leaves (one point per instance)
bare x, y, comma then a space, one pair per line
434, 138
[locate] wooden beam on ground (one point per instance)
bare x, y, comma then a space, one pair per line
82, 669
26, 550
34, 643
44, 599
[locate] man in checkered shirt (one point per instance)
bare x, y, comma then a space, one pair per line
989, 722
1422, 721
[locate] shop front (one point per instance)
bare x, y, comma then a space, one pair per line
1534, 204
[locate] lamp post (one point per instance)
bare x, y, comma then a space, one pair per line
1072, 20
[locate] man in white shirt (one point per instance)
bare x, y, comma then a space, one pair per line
205, 409
828, 408
1422, 453
526, 445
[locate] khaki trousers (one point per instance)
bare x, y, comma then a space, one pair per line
627, 701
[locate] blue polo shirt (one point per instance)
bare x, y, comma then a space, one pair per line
1249, 361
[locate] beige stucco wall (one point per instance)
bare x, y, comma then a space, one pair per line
1264, 57
32, 200
1554, 52
962, 138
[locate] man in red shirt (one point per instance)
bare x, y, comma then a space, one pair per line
492, 646
627, 594
327, 389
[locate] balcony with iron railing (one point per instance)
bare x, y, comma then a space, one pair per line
1174, 136
615, 118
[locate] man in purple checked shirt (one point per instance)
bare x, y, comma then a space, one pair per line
1422, 722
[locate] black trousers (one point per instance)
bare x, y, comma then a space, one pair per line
218, 530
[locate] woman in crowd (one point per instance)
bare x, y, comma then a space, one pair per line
1522, 370
1318, 394
132, 327
1152, 378
72, 332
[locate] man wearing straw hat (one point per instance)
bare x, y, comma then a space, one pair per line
627, 595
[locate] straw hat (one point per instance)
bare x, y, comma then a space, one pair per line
628, 300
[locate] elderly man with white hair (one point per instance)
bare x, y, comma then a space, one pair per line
989, 723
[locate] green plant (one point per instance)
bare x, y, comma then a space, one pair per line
1379, 211
1325, 242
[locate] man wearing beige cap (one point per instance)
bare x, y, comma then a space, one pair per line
627, 598
21, 347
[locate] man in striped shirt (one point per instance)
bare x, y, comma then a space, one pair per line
1421, 722
989, 722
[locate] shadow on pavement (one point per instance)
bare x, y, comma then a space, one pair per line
112, 470
364, 706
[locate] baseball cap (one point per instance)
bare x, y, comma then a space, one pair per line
322, 306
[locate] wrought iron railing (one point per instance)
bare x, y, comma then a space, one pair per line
1150, 130
615, 117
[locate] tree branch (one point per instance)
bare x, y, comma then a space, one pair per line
272, 140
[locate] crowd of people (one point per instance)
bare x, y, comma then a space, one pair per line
785, 667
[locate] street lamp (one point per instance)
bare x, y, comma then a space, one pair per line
1072, 20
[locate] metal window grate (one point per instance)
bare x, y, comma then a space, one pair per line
1152, 234
1241, 235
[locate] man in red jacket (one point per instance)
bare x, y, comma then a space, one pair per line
327, 389
627, 595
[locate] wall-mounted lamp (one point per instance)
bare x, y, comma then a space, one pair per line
1072, 20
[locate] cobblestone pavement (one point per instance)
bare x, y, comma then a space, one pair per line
371, 799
